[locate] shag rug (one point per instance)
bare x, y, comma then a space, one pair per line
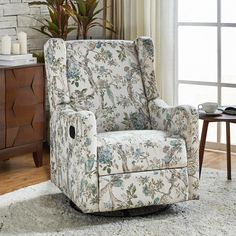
42, 210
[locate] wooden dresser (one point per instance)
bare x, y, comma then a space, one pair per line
22, 113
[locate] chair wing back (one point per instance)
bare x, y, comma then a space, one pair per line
112, 78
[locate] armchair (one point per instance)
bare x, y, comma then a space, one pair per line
114, 143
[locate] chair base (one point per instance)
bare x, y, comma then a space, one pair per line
142, 211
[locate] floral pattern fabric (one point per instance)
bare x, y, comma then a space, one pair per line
105, 77
145, 51
55, 64
98, 86
181, 121
124, 191
139, 150
73, 161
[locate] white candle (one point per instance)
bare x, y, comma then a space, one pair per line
22, 38
16, 48
6, 45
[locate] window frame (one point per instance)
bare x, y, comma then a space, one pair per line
218, 84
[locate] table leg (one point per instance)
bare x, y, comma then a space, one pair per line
228, 145
202, 145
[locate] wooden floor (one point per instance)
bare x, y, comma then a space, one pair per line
19, 172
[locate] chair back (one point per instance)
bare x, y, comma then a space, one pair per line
112, 78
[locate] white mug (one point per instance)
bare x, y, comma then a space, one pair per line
208, 107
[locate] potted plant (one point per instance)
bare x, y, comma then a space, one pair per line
86, 15
57, 24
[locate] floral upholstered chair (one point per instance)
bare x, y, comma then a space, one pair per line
114, 143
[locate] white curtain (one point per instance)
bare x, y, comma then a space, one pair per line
154, 18
168, 50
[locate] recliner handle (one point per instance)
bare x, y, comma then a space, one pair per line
72, 132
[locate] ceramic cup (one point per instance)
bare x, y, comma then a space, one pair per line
208, 107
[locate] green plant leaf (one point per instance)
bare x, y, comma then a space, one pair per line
53, 26
73, 5
70, 29
82, 7
57, 25
52, 16
91, 8
98, 11
43, 31
39, 56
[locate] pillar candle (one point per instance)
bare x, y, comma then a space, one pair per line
16, 48
22, 38
6, 45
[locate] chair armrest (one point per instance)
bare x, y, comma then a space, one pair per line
180, 121
74, 155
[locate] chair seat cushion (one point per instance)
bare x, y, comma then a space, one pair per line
139, 150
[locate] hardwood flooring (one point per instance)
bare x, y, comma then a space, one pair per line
19, 172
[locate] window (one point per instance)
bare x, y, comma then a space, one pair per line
206, 57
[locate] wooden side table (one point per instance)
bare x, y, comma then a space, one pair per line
22, 113
206, 120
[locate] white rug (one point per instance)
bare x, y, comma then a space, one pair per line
42, 210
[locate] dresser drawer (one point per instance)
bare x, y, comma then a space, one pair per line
24, 106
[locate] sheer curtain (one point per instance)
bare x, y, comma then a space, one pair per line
154, 18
